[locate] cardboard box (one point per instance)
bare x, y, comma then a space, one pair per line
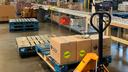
106, 44
125, 36
4, 19
26, 9
83, 46
7, 12
29, 14
34, 13
70, 49
87, 45
23, 14
63, 50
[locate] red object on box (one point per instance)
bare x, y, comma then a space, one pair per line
64, 20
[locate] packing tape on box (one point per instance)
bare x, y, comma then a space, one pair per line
67, 54
82, 53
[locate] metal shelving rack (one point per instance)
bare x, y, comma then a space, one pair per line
77, 13
121, 25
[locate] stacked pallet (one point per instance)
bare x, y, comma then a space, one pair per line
122, 15
23, 24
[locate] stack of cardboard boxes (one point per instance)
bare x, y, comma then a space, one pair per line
28, 12
71, 49
20, 5
25, 12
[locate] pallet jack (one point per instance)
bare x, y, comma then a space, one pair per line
91, 62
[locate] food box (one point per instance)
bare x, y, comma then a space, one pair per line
71, 49
7, 12
106, 45
83, 46
63, 50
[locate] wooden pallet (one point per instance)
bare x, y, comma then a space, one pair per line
51, 62
31, 41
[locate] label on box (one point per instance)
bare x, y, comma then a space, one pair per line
82, 53
67, 54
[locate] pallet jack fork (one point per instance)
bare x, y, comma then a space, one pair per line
91, 62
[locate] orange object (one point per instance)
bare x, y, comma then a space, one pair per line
64, 20
88, 63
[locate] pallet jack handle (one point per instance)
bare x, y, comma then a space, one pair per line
100, 29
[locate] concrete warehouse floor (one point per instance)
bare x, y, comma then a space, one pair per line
11, 62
